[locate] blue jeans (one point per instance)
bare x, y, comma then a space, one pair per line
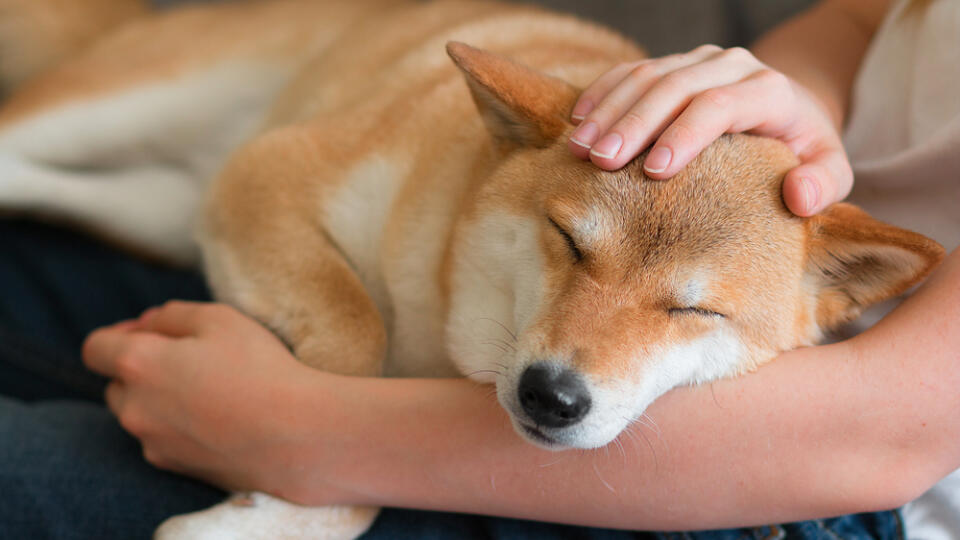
67, 470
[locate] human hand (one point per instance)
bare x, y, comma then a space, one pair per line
212, 394
683, 102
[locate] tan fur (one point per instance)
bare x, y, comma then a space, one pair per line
398, 212
534, 114
170, 44
423, 118
846, 245
54, 30
376, 84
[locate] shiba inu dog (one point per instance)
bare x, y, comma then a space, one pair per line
386, 210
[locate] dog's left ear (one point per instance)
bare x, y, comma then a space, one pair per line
519, 105
854, 261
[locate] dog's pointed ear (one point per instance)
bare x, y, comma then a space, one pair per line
519, 105
854, 261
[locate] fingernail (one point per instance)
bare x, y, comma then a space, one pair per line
811, 194
658, 159
585, 134
581, 110
608, 146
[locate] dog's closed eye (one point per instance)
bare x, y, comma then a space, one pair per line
571, 243
695, 311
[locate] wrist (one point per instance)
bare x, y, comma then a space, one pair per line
355, 440
306, 444
386, 433
400, 442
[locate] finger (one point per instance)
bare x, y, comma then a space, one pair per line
629, 78
762, 99
176, 318
600, 88
103, 347
126, 326
631, 87
661, 107
617, 89
115, 396
643, 70
822, 180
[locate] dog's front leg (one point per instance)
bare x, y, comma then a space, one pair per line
318, 306
272, 261
306, 293
267, 252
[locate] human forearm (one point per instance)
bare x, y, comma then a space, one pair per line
860, 425
821, 431
822, 49
736, 461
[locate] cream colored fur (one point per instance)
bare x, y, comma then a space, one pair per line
386, 210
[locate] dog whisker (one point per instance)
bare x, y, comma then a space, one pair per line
623, 453
636, 437
602, 481
656, 461
501, 325
503, 349
639, 431
651, 423
714, 394
497, 373
504, 343
558, 460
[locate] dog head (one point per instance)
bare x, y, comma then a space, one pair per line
584, 294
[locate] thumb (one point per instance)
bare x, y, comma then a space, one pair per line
174, 319
820, 181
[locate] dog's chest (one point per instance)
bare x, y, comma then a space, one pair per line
392, 234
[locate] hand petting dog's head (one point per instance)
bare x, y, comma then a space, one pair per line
584, 295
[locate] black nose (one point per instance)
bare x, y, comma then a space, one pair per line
553, 396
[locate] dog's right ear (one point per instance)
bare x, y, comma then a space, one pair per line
519, 105
854, 261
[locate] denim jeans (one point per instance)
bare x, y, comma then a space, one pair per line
67, 470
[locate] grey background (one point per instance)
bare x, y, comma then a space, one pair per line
666, 26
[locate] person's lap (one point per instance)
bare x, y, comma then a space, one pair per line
68, 469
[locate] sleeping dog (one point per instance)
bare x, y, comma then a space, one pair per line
388, 199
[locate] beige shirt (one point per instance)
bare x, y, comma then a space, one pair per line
903, 136
903, 139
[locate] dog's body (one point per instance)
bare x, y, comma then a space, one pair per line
360, 201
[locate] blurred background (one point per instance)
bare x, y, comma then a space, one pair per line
667, 26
